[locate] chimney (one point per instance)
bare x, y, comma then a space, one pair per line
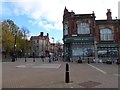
41, 33
47, 35
109, 17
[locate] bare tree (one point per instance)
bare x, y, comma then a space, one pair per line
26, 35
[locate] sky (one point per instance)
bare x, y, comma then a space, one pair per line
47, 15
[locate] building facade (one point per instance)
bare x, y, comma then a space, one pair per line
85, 37
40, 45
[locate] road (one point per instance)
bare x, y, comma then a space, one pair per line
40, 74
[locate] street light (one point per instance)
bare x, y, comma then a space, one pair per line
42, 50
53, 48
53, 44
14, 52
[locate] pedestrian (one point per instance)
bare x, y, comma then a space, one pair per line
79, 60
49, 57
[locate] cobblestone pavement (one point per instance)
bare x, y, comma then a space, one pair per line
40, 74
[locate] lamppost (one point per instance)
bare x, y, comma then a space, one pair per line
53, 44
14, 51
95, 50
42, 50
53, 48
25, 46
117, 22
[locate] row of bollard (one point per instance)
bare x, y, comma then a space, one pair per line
33, 58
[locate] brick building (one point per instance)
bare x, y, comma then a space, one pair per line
86, 37
40, 44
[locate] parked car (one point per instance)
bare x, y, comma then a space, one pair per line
108, 62
118, 61
100, 61
93, 61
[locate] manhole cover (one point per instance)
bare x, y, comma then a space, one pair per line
89, 84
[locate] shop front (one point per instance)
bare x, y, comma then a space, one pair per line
79, 47
108, 51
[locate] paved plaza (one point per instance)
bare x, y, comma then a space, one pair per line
40, 74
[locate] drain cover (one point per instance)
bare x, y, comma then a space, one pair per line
89, 84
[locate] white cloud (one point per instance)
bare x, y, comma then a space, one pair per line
52, 10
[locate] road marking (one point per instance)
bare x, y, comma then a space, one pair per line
39, 66
98, 69
21, 66
118, 75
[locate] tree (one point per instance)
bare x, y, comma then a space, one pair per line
10, 31
7, 38
26, 43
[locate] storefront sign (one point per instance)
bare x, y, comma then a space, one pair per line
107, 45
79, 39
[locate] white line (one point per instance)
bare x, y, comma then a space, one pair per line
118, 75
98, 69
21, 66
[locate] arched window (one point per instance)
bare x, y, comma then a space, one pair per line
106, 34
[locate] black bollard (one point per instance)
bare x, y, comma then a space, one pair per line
88, 61
25, 59
42, 58
13, 59
67, 78
34, 60
33, 57
67, 67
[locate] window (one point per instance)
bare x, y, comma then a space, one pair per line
65, 28
37, 41
106, 34
83, 28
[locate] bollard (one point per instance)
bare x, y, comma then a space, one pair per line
33, 57
88, 61
25, 59
42, 58
13, 59
67, 67
67, 78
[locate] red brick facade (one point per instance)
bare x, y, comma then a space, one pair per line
40, 44
84, 31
